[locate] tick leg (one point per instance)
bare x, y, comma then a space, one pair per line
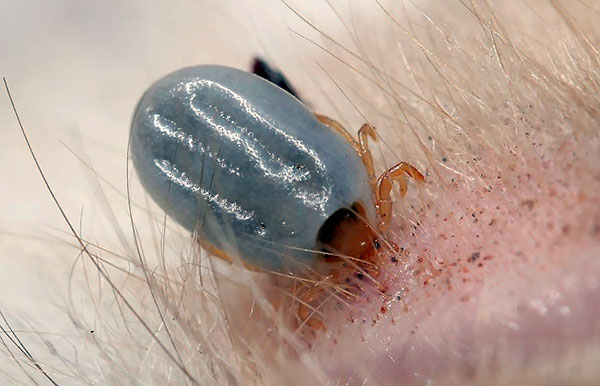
306, 311
384, 187
365, 132
361, 147
335, 125
224, 256
262, 69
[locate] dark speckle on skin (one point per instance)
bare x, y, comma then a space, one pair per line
474, 256
528, 203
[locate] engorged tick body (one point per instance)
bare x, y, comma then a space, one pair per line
245, 166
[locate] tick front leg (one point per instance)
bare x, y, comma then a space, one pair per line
361, 147
365, 132
337, 127
384, 187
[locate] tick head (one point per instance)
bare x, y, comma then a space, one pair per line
346, 236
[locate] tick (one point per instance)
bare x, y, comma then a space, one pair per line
255, 175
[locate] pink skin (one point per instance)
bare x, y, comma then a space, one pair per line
497, 277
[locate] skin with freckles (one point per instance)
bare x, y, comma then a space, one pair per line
495, 276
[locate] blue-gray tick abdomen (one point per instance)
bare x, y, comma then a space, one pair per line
244, 164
